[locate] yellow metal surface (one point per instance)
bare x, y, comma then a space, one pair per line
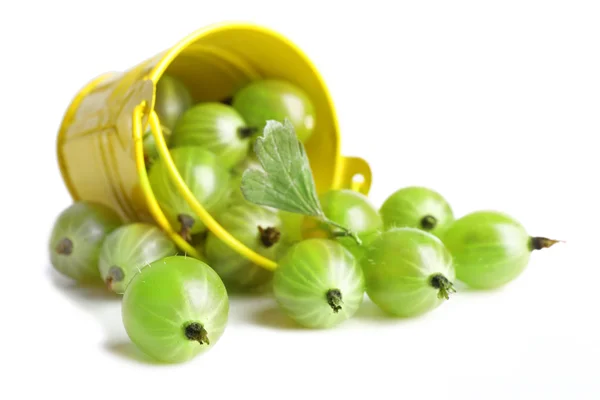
99, 142
151, 202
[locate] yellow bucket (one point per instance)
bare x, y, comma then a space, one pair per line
99, 143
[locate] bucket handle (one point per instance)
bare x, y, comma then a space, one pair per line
200, 211
355, 175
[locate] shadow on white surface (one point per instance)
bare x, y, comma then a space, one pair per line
463, 289
369, 311
83, 294
272, 317
127, 350
104, 306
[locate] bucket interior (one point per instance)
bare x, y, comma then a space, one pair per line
215, 63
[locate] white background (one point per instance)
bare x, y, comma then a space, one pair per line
493, 103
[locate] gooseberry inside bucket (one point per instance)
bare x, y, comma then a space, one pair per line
213, 62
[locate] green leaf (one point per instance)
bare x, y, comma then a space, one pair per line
286, 181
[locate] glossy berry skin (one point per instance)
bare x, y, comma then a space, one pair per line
129, 249
77, 237
256, 227
235, 192
250, 162
489, 248
217, 127
237, 172
319, 283
417, 207
292, 226
175, 309
350, 209
172, 100
206, 178
272, 99
408, 272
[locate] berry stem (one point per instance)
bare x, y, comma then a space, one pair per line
64, 247
444, 286
428, 222
539, 243
344, 232
247, 131
187, 223
115, 274
334, 299
269, 236
195, 331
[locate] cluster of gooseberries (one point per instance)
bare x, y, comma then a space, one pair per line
409, 253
